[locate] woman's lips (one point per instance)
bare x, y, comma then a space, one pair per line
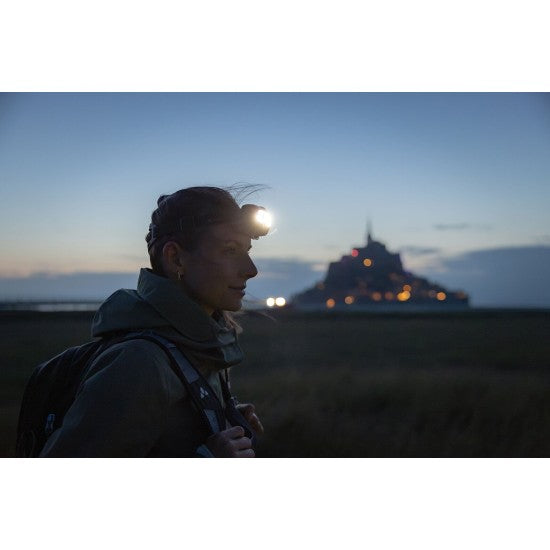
240, 290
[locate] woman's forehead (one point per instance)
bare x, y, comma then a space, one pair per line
223, 232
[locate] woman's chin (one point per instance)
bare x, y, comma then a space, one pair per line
233, 305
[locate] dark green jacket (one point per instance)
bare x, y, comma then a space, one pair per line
131, 402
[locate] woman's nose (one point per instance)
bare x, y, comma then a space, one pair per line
249, 269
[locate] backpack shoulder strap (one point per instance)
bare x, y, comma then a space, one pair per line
200, 391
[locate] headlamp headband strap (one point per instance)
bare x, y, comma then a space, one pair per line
185, 223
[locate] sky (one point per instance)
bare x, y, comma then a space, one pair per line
458, 183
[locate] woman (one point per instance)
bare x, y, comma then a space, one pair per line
131, 402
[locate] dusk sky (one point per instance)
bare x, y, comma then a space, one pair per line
459, 184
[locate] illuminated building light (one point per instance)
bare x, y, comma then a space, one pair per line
407, 288
349, 300
441, 296
330, 303
403, 296
376, 296
388, 296
280, 301
367, 262
355, 252
270, 302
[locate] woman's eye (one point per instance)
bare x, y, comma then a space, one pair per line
231, 250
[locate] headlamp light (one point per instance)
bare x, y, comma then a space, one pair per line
255, 220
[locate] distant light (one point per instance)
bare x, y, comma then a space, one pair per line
388, 296
330, 303
355, 252
367, 262
263, 217
280, 301
407, 288
376, 296
349, 300
270, 302
403, 296
441, 296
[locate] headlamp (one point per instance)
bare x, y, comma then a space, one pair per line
255, 220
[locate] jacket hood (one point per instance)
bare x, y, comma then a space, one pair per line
159, 304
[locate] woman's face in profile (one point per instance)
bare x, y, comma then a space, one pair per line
216, 272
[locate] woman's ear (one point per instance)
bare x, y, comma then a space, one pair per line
172, 260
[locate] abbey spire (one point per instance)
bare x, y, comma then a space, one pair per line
369, 231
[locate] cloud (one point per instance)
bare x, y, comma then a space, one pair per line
461, 227
451, 226
419, 250
512, 276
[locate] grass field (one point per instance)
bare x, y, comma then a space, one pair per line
356, 385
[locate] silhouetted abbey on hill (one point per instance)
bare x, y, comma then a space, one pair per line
372, 276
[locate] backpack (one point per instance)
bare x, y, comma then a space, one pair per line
54, 384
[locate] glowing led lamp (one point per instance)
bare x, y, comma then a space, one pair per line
270, 302
264, 218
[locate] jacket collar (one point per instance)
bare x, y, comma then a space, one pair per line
210, 337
